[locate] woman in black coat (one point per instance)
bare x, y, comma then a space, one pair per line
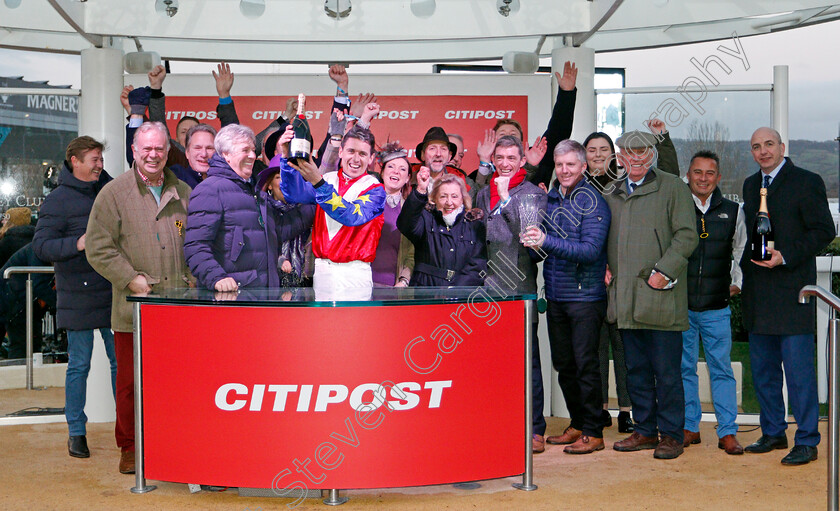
448, 236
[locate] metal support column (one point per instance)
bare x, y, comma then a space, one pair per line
527, 483
139, 465
334, 499
833, 414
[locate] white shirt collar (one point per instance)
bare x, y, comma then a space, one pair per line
774, 173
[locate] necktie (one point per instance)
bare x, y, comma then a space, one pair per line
632, 187
766, 181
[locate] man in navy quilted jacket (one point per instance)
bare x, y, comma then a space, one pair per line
84, 297
573, 241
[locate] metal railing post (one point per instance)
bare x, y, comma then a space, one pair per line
833, 413
527, 483
29, 321
28, 270
140, 485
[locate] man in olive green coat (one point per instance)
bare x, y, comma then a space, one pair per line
652, 235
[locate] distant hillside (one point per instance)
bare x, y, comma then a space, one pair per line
737, 162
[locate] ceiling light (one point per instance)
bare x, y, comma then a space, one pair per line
252, 8
168, 7
506, 7
337, 9
12, 4
422, 8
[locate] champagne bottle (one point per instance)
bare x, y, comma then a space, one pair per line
762, 233
300, 147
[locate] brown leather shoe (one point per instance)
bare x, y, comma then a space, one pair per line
668, 448
585, 445
690, 437
127, 462
538, 444
636, 442
569, 436
730, 444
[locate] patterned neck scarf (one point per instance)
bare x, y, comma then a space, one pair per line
149, 182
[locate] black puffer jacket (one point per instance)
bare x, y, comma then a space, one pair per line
84, 297
438, 248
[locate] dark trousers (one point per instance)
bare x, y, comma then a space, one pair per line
654, 381
538, 398
796, 352
124, 431
611, 337
574, 330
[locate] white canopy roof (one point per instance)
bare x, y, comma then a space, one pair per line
378, 31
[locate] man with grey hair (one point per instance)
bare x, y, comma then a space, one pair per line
652, 235
573, 241
135, 239
233, 230
781, 330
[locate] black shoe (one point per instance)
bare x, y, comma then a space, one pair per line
800, 455
767, 443
77, 446
606, 419
625, 423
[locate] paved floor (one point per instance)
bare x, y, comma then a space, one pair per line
36, 473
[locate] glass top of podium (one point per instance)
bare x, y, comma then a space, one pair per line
336, 297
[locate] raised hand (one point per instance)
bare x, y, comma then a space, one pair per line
502, 185
338, 74
291, 108
486, 146
569, 78
657, 126
124, 97
357, 108
224, 80
423, 178
156, 77
370, 112
535, 153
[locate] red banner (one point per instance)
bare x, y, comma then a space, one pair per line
403, 118
319, 398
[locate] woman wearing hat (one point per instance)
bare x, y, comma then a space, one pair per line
395, 253
295, 260
448, 235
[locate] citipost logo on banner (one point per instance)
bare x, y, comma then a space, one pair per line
403, 118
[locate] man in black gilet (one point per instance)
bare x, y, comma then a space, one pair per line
712, 279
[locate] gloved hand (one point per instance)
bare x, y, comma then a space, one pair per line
138, 99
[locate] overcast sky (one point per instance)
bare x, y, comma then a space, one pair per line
810, 52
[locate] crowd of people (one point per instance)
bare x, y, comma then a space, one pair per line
639, 266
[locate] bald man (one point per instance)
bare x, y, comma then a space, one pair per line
781, 330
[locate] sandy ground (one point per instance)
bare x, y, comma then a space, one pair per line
36, 473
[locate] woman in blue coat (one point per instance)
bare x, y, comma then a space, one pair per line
448, 236
233, 230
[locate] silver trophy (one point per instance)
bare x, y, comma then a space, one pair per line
529, 213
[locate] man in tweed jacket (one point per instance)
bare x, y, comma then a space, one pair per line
135, 239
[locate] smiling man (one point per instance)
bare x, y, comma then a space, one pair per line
510, 267
574, 237
84, 297
781, 330
135, 239
436, 152
712, 279
234, 231
652, 235
348, 220
200, 148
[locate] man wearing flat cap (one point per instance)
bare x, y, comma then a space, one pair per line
435, 152
652, 235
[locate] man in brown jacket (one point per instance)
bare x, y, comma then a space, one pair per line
135, 239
